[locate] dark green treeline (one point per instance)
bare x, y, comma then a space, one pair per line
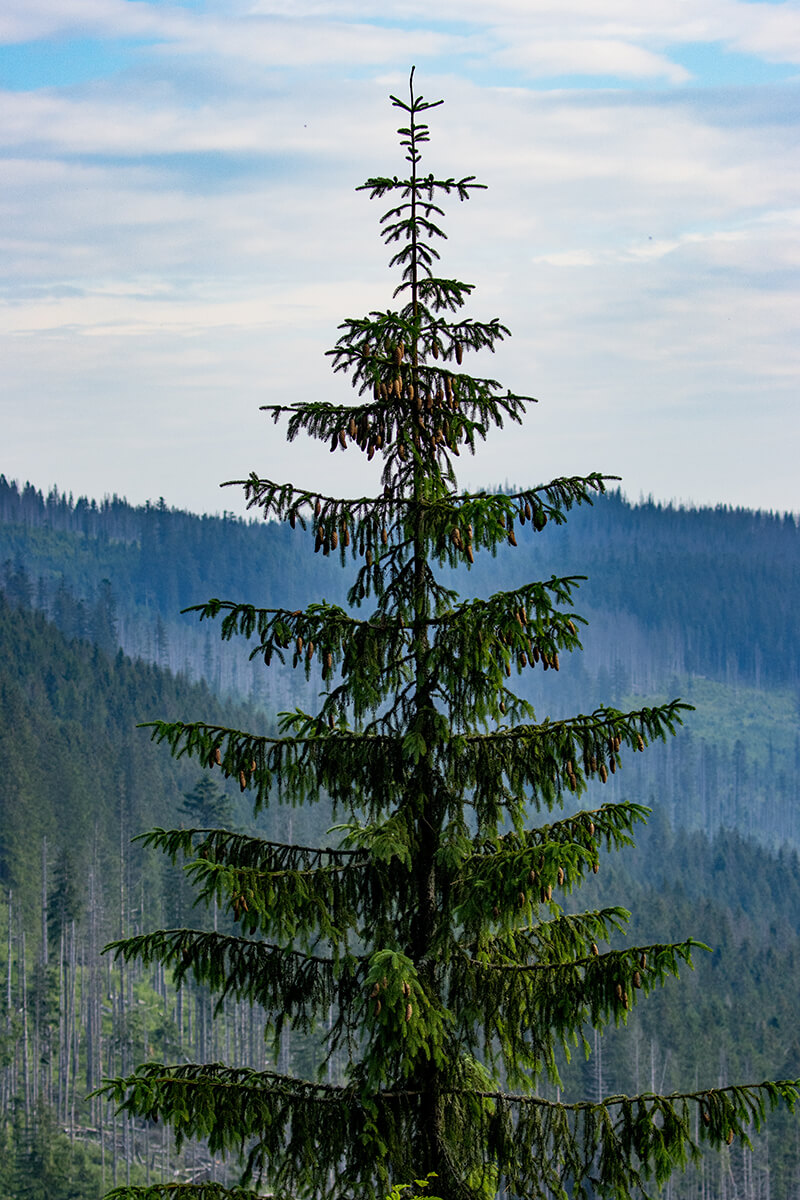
653, 590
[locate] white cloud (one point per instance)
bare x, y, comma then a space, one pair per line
287, 43
771, 31
755, 28
588, 56
182, 242
28, 20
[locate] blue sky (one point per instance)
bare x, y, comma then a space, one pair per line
181, 234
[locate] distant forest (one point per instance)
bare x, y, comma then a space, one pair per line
700, 603
670, 591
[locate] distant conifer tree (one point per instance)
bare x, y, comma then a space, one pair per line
428, 952
207, 806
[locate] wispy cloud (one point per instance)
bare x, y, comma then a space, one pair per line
589, 56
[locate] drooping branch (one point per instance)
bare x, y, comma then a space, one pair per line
291, 986
507, 769
534, 1008
543, 1147
243, 850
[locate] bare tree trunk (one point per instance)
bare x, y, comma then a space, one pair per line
113, 1128
179, 1017
44, 901
72, 1031
92, 987
26, 1071
9, 1073
62, 1025
101, 1125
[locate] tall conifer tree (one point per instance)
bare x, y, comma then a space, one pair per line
429, 950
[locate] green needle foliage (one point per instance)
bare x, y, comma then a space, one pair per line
433, 932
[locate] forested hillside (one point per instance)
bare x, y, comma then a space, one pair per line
671, 591
734, 1017
696, 603
79, 781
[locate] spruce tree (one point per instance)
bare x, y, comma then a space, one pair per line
207, 805
427, 949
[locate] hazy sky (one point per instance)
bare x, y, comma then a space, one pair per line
181, 234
